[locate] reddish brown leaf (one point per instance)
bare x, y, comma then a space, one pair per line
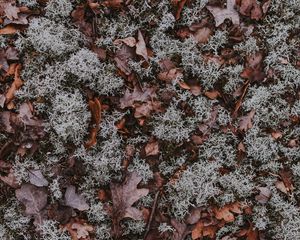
180, 6
95, 108
17, 83
7, 30
246, 121
251, 9
152, 148
124, 195
137, 95
287, 178
141, 48
221, 14
171, 75
129, 41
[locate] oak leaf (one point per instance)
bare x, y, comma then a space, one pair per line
124, 195
221, 14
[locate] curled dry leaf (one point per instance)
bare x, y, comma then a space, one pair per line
78, 229
221, 14
95, 108
17, 83
124, 195
141, 48
246, 121
74, 200
8, 30
202, 230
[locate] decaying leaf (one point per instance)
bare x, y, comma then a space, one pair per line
181, 230
137, 95
141, 48
36, 178
124, 195
202, 230
246, 121
95, 108
17, 83
34, 198
226, 212
221, 14
152, 148
264, 195
251, 9
170, 75
11, 11
202, 35
78, 229
129, 41
74, 200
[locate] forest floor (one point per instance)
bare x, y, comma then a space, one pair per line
149, 119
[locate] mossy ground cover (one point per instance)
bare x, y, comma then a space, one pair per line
145, 119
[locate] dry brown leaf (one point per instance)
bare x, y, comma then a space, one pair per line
170, 75
180, 5
113, 3
137, 95
214, 94
226, 212
124, 195
129, 41
78, 229
11, 11
17, 83
251, 9
202, 35
221, 14
95, 108
287, 178
9, 29
141, 48
152, 148
10, 179
246, 121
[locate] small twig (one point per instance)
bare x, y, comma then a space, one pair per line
152, 214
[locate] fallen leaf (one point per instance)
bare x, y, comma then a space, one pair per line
74, 200
170, 75
181, 230
246, 121
221, 14
36, 178
34, 198
11, 11
137, 95
95, 108
226, 212
7, 30
202, 35
251, 9
286, 176
124, 195
214, 94
17, 83
141, 48
145, 109
122, 57
82, 230
113, 3
152, 148
10, 179
264, 195
180, 5
129, 41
